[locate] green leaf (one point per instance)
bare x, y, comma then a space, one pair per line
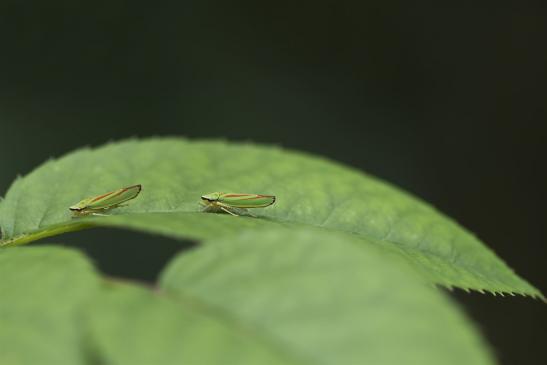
488, 273
298, 297
41, 289
129, 325
325, 301
311, 192
55, 310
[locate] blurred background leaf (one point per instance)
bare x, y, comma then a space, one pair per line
43, 289
325, 298
256, 298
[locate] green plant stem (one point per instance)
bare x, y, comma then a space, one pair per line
43, 233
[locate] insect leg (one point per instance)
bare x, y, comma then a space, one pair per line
235, 210
228, 211
99, 214
209, 207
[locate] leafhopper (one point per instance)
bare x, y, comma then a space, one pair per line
96, 204
232, 202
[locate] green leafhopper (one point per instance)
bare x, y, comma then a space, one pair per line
101, 203
231, 202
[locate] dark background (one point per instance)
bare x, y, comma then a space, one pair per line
446, 101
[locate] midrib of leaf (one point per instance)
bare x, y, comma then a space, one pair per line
46, 232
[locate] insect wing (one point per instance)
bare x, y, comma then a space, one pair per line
114, 197
81, 204
246, 200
